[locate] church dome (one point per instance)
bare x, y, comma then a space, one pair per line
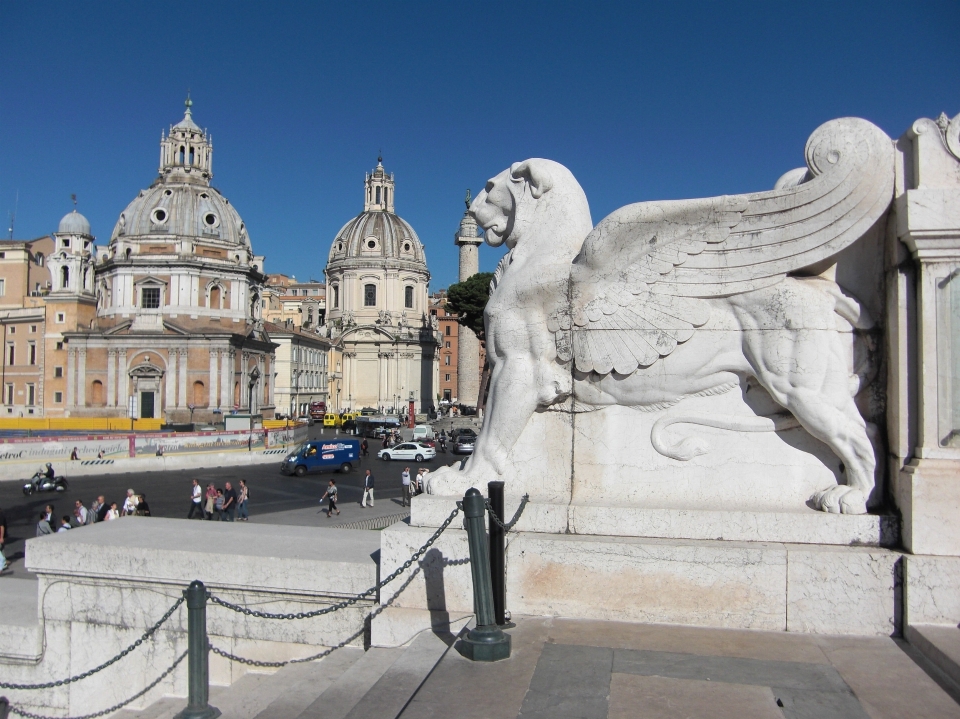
75, 224
181, 203
378, 233
177, 210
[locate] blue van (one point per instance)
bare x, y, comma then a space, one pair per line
320, 454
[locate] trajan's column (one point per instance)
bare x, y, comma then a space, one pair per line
468, 355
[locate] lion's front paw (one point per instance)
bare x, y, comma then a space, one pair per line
448, 481
841, 500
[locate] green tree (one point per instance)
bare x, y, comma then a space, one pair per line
468, 299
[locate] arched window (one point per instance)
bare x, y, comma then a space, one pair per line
39, 259
215, 297
128, 253
96, 394
64, 277
386, 191
191, 156
408, 297
378, 195
336, 296
369, 295
199, 395
181, 154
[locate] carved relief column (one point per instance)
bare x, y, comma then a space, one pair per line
927, 344
212, 382
171, 379
122, 378
81, 377
71, 377
111, 378
183, 366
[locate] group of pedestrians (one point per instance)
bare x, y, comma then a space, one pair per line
224, 504
99, 511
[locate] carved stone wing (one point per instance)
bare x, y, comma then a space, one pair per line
638, 284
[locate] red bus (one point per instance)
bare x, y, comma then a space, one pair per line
318, 409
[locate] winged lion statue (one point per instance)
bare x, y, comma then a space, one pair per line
666, 300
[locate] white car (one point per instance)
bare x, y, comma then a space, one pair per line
408, 450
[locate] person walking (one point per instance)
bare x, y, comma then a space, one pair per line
130, 504
3, 541
331, 496
64, 524
196, 500
210, 501
367, 490
80, 512
244, 495
405, 480
229, 502
364, 446
48, 513
43, 526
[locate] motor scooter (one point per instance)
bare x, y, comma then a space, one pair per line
42, 483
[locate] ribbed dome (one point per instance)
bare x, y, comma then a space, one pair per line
376, 235
174, 209
75, 224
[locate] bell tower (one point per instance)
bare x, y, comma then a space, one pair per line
378, 189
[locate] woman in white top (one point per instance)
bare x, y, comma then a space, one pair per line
112, 513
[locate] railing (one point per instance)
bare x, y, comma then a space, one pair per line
485, 642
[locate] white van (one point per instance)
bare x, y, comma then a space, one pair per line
422, 431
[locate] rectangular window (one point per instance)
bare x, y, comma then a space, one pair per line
59, 345
32, 353
336, 295
3, 287
8, 394
13, 329
58, 397
369, 295
447, 332
150, 298
433, 313
31, 395
446, 360
11, 354
446, 345
61, 318
33, 329
446, 378
408, 297
58, 371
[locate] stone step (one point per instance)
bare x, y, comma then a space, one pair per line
941, 646
342, 696
389, 696
303, 683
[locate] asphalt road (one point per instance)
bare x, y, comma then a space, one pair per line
168, 493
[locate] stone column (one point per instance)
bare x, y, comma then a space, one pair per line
71, 377
272, 380
171, 378
183, 366
468, 345
123, 379
81, 377
212, 382
927, 344
111, 378
227, 379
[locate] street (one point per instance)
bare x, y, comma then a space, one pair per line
168, 493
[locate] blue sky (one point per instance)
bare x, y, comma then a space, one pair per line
640, 100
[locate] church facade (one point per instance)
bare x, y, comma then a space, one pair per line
165, 322
377, 304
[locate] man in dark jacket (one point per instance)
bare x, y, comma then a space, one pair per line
367, 490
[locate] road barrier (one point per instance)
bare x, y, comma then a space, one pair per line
485, 642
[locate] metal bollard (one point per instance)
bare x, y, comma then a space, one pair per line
498, 576
4, 707
198, 648
486, 642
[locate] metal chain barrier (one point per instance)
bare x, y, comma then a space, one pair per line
346, 602
146, 635
29, 715
302, 660
516, 517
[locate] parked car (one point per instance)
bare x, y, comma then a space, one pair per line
408, 450
464, 444
306, 418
